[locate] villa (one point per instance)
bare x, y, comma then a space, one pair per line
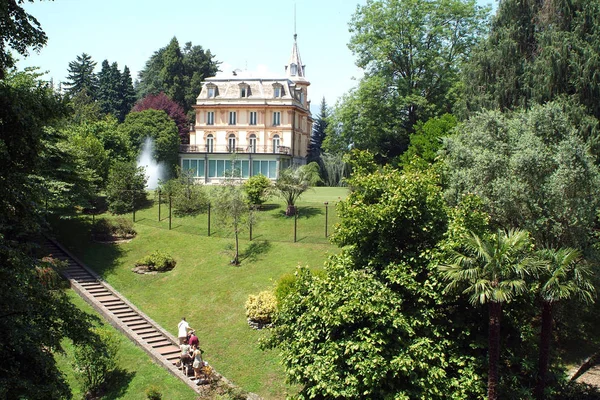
248, 125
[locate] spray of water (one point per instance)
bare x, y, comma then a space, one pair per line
154, 170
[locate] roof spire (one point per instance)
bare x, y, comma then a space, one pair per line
294, 68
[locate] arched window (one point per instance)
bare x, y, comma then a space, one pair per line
276, 144
294, 69
252, 147
231, 143
209, 143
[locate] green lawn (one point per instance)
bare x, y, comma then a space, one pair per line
136, 371
204, 287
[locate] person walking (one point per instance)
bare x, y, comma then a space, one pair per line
183, 328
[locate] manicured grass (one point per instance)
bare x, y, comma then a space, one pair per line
205, 288
136, 371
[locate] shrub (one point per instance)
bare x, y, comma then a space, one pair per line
262, 307
256, 188
96, 360
125, 188
285, 286
157, 261
107, 229
152, 393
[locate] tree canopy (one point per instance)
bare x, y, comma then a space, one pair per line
412, 53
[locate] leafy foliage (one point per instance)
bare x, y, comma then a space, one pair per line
20, 31
533, 170
412, 52
233, 212
537, 52
95, 361
257, 189
35, 315
125, 188
372, 325
157, 261
111, 229
426, 142
157, 125
187, 196
261, 307
161, 101
177, 72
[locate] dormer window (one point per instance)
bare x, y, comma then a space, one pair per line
294, 69
211, 90
244, 90
277, 90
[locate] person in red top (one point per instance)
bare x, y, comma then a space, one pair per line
193, 340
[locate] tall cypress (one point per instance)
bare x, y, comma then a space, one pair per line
127, 93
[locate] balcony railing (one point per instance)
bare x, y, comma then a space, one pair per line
200, 148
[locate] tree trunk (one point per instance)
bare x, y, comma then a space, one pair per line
236, 258
544, 359
495, 310
291, 210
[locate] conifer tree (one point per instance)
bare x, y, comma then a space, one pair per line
81, 76
318, 135
127, 94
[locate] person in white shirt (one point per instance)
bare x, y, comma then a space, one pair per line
183, 327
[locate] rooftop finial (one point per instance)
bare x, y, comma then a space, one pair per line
295, 35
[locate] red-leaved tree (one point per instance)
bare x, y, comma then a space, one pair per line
163, 102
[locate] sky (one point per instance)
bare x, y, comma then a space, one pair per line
253, 35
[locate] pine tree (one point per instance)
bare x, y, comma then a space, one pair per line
127, 94
109, 89
81, 76
172, 72
318, 133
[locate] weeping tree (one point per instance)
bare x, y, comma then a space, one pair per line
294, 181
335, 169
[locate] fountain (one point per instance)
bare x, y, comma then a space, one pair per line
154, 171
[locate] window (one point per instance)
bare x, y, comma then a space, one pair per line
277, 91
210, 118
294, 69
231, 143
265, 167
276, 118
302, 97
232, 117
209, 143
228, 168
244, 92
276, 144
252, 147
193, 167
211, 91
252, 117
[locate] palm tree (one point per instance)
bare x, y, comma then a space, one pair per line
564, 276
292, 182
493, 269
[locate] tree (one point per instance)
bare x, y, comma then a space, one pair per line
35, 315
161, 101
157, 125
20, 31
563, 277
318, 135
127, 94
493, 272
335, 169
109, 89
426, 142
532, 169
82, 77
412, 52
374, 324
177, 72
187, 196
537, 51
126, 187
292, 182
233, 213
